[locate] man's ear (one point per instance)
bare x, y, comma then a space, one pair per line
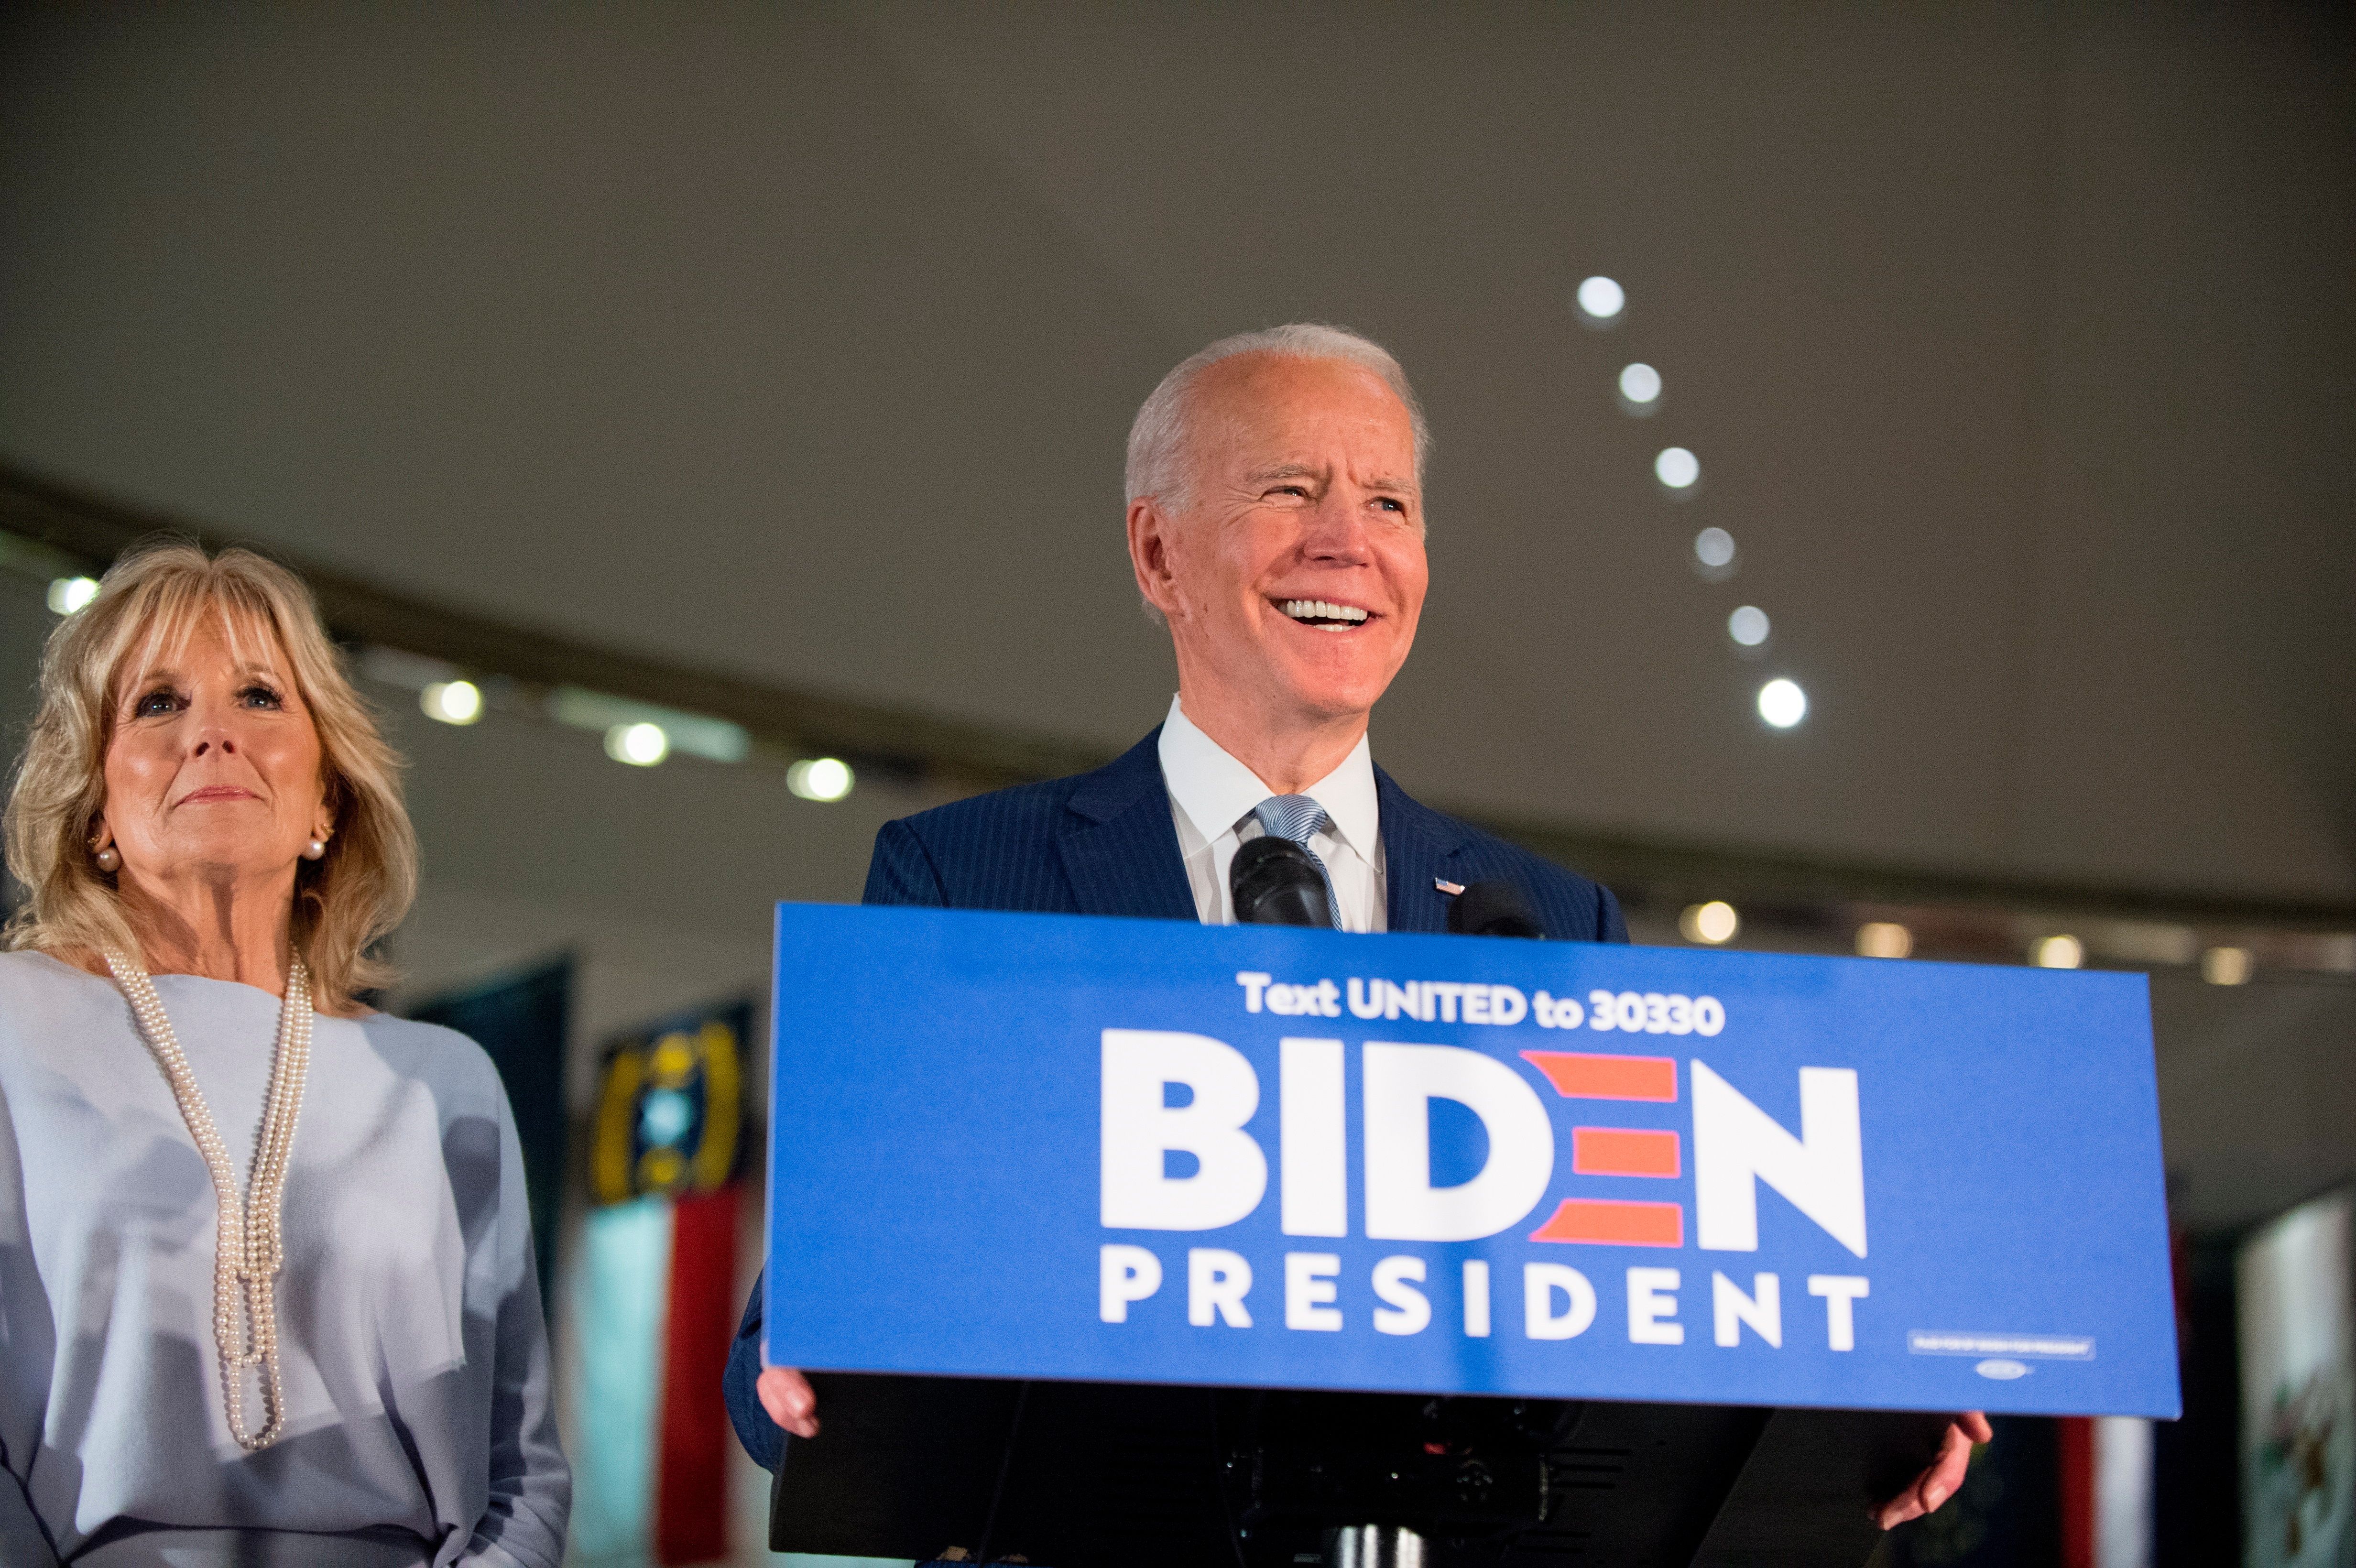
1148, 552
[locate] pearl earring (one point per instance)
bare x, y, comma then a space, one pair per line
314, 849
110, 859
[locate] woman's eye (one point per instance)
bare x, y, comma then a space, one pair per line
259, 697
155, 703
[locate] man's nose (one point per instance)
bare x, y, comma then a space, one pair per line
1337, 529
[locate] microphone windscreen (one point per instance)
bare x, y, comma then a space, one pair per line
1275, 882
1493, 908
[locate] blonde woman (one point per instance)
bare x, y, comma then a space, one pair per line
266, 1285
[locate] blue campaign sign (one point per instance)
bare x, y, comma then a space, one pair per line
1049, 1146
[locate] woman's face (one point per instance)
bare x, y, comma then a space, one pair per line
213, 772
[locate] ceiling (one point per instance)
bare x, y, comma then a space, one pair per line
2018, 347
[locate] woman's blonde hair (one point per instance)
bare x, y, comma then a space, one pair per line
148, 601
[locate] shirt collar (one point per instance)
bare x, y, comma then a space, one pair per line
1215, 790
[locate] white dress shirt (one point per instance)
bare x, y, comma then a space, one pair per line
1211, 800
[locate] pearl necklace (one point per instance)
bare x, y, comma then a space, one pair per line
249, 1249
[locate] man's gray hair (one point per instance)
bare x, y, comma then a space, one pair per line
1159, 441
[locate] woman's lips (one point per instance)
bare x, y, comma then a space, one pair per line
217, 792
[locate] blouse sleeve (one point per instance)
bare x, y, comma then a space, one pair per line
531, 1485
27, 1343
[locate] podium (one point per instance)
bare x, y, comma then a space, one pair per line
1140, 1243
1079, 1474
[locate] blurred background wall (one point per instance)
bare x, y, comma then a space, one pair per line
773, 365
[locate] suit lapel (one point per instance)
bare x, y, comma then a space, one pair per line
1417, 845
1118, 844
1119, 847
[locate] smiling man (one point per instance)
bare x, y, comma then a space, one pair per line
1276, 526
1275, 489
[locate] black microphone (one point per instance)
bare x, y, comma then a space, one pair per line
1275, 882
1493, 908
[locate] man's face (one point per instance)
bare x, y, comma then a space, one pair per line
1293, 581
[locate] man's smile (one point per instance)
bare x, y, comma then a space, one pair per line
1324, 613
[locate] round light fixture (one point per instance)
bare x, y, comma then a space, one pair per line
2064, 952
1600, 299
1883, 939
640, 745
68, 594
1714, 548
452, 701
1748, 625
819, 778
1676, 468
1782, 703
1711, 923
2226, 965
1640, 384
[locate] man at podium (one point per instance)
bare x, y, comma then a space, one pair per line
1276, 527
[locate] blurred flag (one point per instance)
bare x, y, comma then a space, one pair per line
651, 1306
521, 1021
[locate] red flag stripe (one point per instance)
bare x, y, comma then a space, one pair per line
691, 1466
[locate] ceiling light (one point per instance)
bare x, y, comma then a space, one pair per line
692, 734
2059, 952
1676, 468
1883, 939
1714, 550
1782, 703
1748, 625
1640, 386
2226, 965
1600, 299
1711, 923
2147, 942
398, 666
452, 701
640, 745
819, 778
68, 594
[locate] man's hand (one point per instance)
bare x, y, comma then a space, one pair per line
786, 1395
1932, 1487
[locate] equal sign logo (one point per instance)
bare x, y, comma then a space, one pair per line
1615, 1151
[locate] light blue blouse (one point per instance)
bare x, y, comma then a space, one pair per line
413, 1355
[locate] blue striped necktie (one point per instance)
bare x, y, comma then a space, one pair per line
1297, 817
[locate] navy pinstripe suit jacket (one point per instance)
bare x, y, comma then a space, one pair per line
1103, 843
